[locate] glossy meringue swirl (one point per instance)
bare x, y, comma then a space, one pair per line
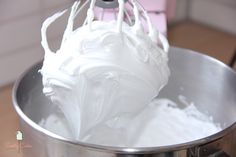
103, 69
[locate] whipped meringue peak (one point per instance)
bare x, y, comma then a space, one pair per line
103, 70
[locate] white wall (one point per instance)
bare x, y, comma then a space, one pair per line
220, 14
217, 13
181, 11
20, 24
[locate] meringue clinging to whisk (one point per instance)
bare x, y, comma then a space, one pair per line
103, 69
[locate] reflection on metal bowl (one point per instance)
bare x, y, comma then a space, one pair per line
206, 81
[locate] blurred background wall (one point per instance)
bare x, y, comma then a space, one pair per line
20, 24
21, 20
219, 14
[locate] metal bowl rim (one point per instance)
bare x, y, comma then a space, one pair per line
123, 150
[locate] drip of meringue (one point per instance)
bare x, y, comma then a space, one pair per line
103, 69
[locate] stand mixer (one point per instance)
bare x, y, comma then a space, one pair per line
32, 105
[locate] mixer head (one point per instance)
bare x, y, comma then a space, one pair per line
107, 10
108, 4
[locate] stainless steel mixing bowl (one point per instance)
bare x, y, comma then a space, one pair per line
210, 84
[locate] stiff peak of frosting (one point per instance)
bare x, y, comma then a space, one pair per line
103, 69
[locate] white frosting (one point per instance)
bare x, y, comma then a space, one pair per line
103, 70
161, 123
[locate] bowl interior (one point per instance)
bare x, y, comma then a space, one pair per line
208, 83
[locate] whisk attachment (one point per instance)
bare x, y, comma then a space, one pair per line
104, 61
129, 11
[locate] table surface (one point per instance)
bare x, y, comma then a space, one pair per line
9, 125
